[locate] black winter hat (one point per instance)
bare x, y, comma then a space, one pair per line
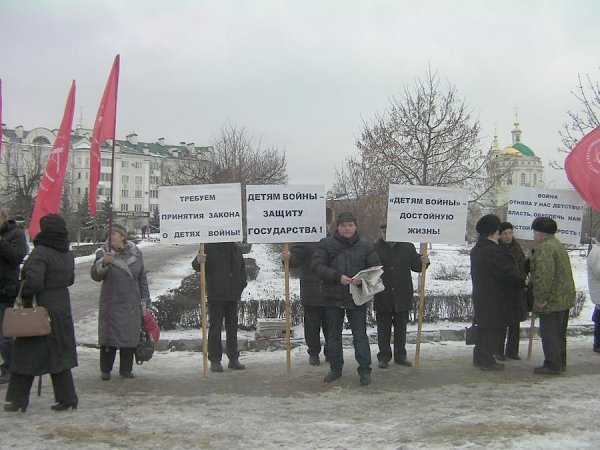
488, 225
346, 216
53, 223
505, 226
544, 225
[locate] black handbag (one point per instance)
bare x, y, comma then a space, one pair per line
471, 335
145, 349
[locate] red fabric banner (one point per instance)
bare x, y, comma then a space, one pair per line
51, 186
104, 129
582, 166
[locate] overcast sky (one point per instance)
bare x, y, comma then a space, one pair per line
300, 75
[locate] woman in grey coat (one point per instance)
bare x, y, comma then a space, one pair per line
123, 297
46, 275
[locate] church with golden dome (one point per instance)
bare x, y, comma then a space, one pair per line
513, 166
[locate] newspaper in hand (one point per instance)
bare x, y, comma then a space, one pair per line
371, 285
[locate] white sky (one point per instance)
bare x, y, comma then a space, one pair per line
300, 75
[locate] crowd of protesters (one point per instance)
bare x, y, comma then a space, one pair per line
503, 279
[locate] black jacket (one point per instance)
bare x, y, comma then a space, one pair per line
494, 284
47, 275
336, 256
13, 248
518, 309
310, 284
398, 259
225, 272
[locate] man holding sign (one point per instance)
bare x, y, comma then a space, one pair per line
336, 260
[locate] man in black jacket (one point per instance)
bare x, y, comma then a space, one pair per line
336, 260
392, 304
225, 280
13, 248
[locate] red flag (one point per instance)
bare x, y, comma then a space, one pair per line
51, 185
583, 168
0, 117
104, 129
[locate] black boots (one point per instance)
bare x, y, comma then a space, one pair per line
14, 407
235, 364
63, 406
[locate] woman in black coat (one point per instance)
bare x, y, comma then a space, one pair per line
46, 275
494, 282
517, 302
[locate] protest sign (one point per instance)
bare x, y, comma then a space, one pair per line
285, 213
563, 205
200, 213
426, 214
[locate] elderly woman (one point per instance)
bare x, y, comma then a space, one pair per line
46, 275
494, 281
123, 298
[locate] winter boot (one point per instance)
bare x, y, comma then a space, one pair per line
235, 364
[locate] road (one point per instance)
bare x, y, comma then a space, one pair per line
163, 263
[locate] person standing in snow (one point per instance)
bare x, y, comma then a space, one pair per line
393, 304
336, 260
124, 296
494, 282
518, 302
553, 294
593, 272
13, 248
311, 295
225, 280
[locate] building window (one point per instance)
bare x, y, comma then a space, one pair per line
124, 207
78, 191
522, 179
153, 193
124, 164
138, 194
87, 175
125, 193
138, 207
509, 179
154, 207
137, 165
535, 179
79, 162
105, 176
87, 162
153, 180
105, 162
124, 179
154, 165
138, 180
79, 175
86, 191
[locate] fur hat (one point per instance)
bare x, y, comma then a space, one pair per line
544, 225
488, 225
345, 216
118, 228
505, 226
53, 223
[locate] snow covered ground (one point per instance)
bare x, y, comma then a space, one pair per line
445, 403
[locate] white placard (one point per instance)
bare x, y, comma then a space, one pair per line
200, 213
285, 213
426, 214
563, 205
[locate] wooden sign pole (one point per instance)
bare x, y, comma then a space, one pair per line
288, 342
531, 331
423, 251
203, 312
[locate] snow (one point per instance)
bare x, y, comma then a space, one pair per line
445, 403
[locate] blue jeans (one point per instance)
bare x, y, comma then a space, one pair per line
358, 324
5, 343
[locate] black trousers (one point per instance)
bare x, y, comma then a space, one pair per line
314, 321
6, 343
218, 311
511, 336
486, 346
385, 320
107, 359
19, 387
553, 331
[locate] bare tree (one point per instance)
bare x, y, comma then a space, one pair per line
237, 157
428, 136
22, 174
582, 120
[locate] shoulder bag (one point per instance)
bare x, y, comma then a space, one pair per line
25, 322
